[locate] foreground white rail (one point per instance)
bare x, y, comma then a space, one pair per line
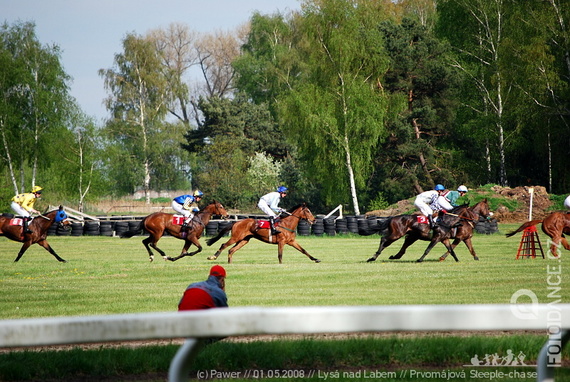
198, 326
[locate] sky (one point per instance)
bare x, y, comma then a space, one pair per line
90, 32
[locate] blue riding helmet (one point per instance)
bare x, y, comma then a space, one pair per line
282, 189
198, 194
439, 187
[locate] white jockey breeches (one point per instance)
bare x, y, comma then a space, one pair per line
263, 206
19, 210
423, 207
178, 208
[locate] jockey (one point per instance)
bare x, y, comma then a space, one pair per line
187, 205
433, 200
452, 196
23, 205
269, 203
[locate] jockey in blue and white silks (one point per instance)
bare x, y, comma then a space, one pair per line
431, 201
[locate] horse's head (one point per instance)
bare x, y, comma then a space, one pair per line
59, 217
301, 211
218, 209
482, 208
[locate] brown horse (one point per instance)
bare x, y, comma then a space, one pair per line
555, 226
39, 227
469, 216
243, 230
155, 224
393, 228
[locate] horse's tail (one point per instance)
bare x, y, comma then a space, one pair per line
371, 229
133, 232
523, 227
225, 230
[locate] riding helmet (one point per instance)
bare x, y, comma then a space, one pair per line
439, 187
282, 189
37, 190
198, 194
462, 188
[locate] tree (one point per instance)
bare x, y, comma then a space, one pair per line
34, 102
336, 111
138, 102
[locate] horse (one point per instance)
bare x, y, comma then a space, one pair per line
465, 232
395, 227
555, 226
243, 230
39, 227
159, 222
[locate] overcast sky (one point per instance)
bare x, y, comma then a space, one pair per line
90, 32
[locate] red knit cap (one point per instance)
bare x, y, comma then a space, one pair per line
218, 270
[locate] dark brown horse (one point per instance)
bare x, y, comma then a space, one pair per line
469, 216
555, 226
39, 227
159, 222
243, 230
393, 228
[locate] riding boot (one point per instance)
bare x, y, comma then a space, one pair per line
432, 223
272, 223
26, 229
186, 224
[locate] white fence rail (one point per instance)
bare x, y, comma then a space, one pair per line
198, 326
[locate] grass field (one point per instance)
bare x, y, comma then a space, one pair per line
108, 275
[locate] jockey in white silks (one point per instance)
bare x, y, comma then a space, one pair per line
269, 203
431, 201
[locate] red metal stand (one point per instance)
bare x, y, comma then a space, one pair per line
529, 243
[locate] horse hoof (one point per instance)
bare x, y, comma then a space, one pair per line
442, 258
370, 260
419, 261
475, 258
317, 261
211, 258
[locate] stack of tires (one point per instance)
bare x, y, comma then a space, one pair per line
121, 227
352, 223
223, 224
106, 228
91, 228
76, 229
318, 228
304, 228
212, 228
330, 227
362, 224
341, 226
486, 226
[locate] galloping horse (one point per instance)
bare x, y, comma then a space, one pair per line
395, 227
39, 227
470, 215
555, 226
244, 230
155, 224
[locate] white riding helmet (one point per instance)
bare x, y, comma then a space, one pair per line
462, 188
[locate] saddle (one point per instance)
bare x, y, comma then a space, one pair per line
178, 219
422, 219
265, 224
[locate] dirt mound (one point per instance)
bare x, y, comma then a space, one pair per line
504, 213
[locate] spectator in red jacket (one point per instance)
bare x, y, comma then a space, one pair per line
206, 294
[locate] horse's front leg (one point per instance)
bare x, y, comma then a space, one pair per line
48, 248
428, 249
450, 249
235, 248
187, 244
296, 245
469, 245
453, 245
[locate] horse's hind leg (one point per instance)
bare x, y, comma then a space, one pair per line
150, 242
235, 248
409, 241
184, 253
221, 249
454, 244
22, 250
384, 243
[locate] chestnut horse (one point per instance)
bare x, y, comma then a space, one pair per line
470, 217
243, 230
555, 226
155, 224
395, 227
39, 227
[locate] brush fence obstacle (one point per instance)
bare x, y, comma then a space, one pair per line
199, 326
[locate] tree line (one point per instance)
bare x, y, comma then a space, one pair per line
353, 102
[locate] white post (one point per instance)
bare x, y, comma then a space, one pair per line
531, 192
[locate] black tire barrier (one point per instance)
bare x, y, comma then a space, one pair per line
212, 228
222, 225
304, 228
106, 228
62, 231
91, 228
76, 229
330, 227
121, 227
318, 228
